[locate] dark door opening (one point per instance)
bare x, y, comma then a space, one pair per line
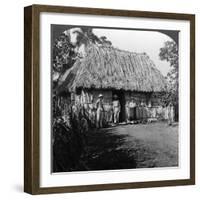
121, 97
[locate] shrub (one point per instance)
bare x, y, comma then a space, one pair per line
69, 141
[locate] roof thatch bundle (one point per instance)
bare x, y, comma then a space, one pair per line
111, 68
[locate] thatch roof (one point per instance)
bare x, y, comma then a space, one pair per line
111, 68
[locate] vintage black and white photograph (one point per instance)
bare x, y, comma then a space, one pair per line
114, 98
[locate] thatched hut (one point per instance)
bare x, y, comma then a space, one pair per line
110, 71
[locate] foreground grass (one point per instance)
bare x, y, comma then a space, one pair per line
132, 146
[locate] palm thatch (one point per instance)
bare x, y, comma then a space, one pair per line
112, 68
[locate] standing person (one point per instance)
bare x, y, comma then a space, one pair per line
116, 109
145, 115
127, 112
137, 111
100, 111
170, 114
143, 111
132, 107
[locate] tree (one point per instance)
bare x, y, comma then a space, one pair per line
65, 51
170, 53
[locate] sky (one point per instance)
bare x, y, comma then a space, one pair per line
138, 41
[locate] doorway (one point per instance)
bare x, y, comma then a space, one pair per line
121, 97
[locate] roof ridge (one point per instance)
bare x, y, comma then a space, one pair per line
117, 49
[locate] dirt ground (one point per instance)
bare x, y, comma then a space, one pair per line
133, 146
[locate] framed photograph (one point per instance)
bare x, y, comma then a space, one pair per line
109, 99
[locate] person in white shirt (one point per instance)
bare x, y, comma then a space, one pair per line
100, 111
127, 112
170, 109
132, 109
116, 109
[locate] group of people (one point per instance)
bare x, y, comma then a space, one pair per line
133, 111
99, 113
